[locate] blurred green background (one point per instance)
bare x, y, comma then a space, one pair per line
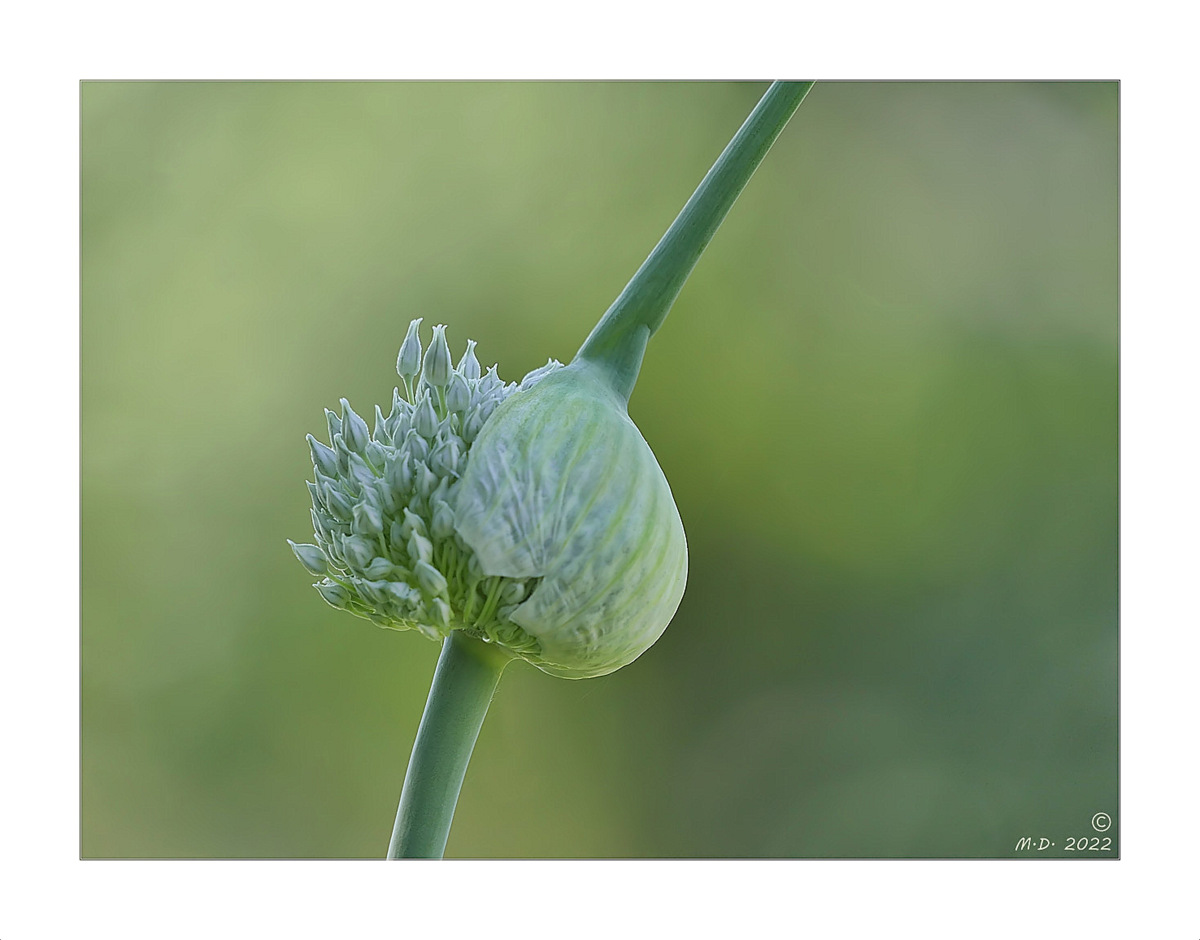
886, 403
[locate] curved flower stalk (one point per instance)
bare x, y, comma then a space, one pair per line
526, 520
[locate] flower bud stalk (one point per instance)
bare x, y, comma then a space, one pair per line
619, 340
464, 682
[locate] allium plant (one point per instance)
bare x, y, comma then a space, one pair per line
521, 520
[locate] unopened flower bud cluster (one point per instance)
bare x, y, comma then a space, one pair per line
382, 502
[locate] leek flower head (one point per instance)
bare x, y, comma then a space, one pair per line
531, 515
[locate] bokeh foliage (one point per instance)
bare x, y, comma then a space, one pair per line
886, 403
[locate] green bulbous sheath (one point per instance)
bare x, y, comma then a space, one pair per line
562, 486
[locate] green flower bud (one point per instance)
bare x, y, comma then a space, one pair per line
491, 383
472, 426
378, 568
397, 474
436, 370
368, 520
311, 557
354, 429
458, 394
412, 523
359, 473
431, 580
408, 363
335, 595
396, 537
381, 433
323, 458
443, 520
426, 479
376, 455
443, 460
358, 551
420, 549
415, 446
400, 407
339, 504
374, 592
468, 365
425, 419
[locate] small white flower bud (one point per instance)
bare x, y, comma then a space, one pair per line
339, 505
490, 382
360, 473
443, 520
311, 557
376, 455
408, 363
335, 595
323, 458
427, 480
458, 394
378, 569
374, 592
436, 370
367, 519
472, 426
419, 548
425, 420
354, 429
412, 523
397, 474
415, 446
468, 365
381, 433
431, 580
396, 536
444, 458
358, 551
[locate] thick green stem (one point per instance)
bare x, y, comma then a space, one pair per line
618, 342
463, 684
